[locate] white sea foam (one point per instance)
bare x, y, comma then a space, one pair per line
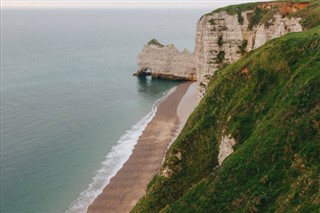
113, 162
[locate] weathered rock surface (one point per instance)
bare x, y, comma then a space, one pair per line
222, 38
166, 61
225, 148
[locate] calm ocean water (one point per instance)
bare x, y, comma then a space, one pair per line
71, 109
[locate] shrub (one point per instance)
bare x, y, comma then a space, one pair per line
243, 46
220, 56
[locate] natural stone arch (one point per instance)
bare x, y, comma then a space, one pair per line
166, 61
145, 71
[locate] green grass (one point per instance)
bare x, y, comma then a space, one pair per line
310, 15
235, 9
155, 42
273, 112
256, 17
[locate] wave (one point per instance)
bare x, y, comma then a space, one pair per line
113, 162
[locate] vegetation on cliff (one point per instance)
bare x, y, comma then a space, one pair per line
310, 15
269, 101
263, 12
155, 42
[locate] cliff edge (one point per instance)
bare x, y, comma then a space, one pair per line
226, 34
222, 37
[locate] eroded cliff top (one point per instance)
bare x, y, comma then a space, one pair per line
261, 12
283, 6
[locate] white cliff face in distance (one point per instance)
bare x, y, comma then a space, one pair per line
221, 39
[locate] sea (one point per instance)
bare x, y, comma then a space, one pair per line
71, 110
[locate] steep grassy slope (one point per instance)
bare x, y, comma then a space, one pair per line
269, 101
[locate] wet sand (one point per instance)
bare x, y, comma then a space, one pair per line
129, 184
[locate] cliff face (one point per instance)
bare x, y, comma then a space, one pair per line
222, 38
161, 61
252, 143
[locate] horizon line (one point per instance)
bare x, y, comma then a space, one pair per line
121, 4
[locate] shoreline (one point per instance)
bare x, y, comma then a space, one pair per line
128, 185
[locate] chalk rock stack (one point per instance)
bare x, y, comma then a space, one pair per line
166, 61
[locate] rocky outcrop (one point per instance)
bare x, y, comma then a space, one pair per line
225, 148
285, 8
166, 61
223, 37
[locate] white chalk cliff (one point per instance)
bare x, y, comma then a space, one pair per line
166, 61
221, 38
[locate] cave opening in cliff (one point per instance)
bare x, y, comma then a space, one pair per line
148, 72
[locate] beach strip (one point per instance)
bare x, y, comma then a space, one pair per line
129, 184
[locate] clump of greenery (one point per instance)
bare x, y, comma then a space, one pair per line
269, 15
274, 117
211, 21
220, 40
235, 9
240, 18
255, 18
220, 56
155, 42
310, 15
243, 46
202, 85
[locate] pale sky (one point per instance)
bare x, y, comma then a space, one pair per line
119, 4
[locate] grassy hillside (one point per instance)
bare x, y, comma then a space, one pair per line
273, 112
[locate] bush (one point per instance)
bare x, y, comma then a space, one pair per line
243, 47
220, 56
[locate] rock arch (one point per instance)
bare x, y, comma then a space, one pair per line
166, 61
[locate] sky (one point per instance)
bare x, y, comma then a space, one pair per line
135, 4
